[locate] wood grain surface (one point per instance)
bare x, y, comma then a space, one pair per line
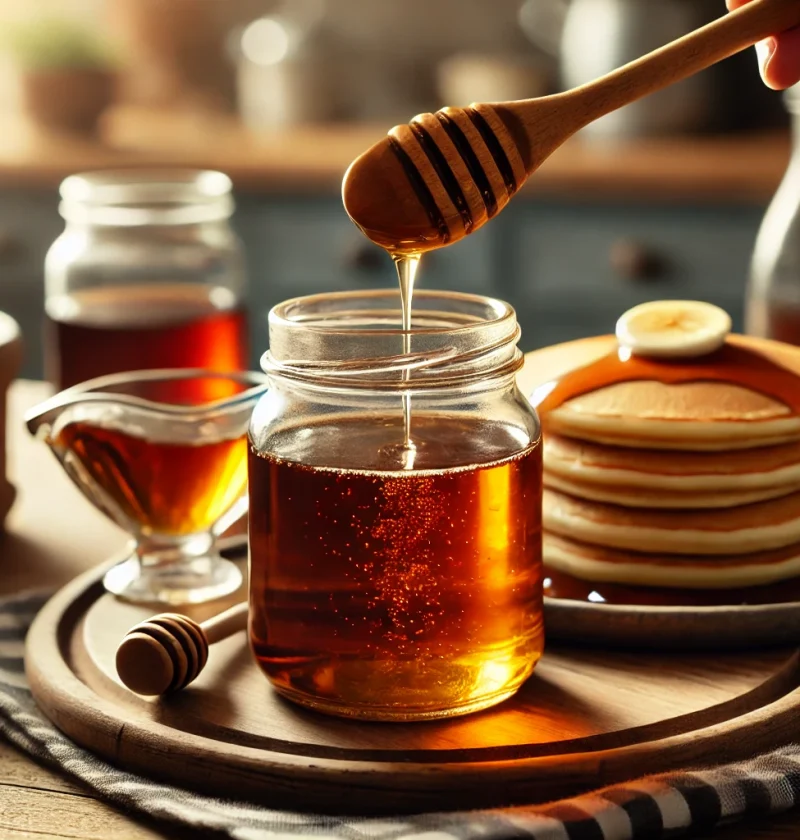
49, 530
586, 718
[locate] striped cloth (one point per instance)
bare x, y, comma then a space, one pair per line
668, 805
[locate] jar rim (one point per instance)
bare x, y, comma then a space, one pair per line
130, 197
280, 313
352, 339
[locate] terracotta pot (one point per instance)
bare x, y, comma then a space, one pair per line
10, 363
68, 100
176, 50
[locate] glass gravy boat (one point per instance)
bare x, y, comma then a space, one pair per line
163, 453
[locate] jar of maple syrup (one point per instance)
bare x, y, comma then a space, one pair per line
146, 274
773, 293
395, 482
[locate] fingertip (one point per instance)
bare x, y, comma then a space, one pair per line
765, 50
781, 68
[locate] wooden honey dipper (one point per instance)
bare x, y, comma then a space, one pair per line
168, 651
444, 175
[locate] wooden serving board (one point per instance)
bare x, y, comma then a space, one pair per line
585, 719
657, 627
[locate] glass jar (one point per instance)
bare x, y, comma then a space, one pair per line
147, 274
772, 307
394, 579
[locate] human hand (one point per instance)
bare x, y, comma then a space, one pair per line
778, 56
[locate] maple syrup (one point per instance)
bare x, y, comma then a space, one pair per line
407, 266
385, 593
783, 323
732, 363
157, 488
101, 330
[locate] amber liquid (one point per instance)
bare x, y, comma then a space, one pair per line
153, 488
784, 323
382, 593
734, 362
407, 266
112, 329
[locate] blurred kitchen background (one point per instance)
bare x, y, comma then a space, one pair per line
663, 199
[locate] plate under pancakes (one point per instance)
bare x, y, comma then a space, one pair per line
687, 485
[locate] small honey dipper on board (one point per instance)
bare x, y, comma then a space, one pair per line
168, 651
442, 176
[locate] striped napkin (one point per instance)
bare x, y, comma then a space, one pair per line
668, 805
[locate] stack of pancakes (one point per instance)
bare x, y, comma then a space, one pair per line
691, 485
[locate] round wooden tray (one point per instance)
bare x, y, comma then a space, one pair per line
649, 627
585, 719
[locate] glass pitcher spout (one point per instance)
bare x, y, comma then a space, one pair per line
125, 389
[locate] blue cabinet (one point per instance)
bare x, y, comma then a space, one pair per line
568, 267
572, 269
29, 222
301, 246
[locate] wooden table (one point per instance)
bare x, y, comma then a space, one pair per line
53, 534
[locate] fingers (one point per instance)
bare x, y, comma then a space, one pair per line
780, 67
778, 57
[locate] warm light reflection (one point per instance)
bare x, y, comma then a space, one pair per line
542, 391
494, 493
265, 42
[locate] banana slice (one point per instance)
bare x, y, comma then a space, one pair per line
673, 328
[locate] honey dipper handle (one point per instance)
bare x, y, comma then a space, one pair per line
729, 34
226, 623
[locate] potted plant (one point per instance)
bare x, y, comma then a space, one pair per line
67, 73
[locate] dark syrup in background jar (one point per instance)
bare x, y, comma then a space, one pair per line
772, 306
147, 274
169, 325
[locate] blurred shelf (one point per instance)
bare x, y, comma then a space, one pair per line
312, 159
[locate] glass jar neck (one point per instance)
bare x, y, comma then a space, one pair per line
153, 199
355, 340
791, 101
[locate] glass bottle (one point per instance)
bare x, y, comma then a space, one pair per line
773, 294
395, 574
147, 274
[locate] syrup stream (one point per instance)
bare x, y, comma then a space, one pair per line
407, 265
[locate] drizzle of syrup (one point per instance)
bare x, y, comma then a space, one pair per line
732, 363
564, 586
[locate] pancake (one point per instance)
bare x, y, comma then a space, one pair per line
726, 531
597, 564
665, 463
649, 469
646, 414
638, 497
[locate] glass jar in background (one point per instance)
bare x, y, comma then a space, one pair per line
395, 579
772, 307
147, 274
